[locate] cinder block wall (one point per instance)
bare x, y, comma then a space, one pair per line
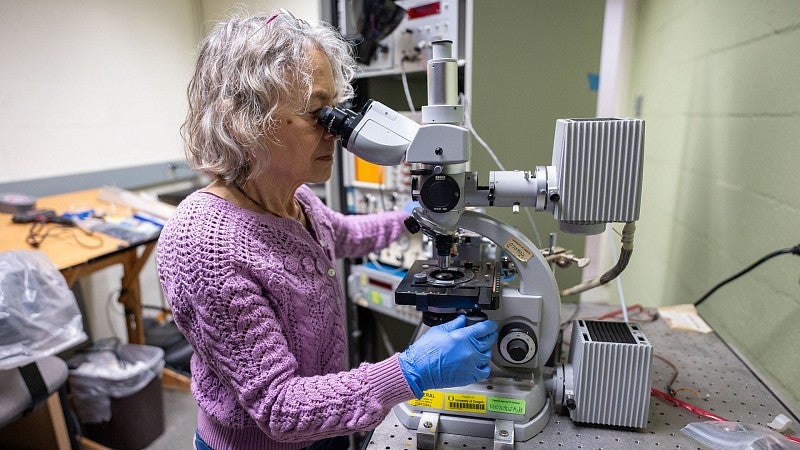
717, 82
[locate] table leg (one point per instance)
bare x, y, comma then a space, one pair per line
131, 296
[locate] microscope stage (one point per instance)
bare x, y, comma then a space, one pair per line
462, 285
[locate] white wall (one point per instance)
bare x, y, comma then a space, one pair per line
92, 84
215, 10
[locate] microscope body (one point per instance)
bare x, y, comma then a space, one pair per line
483, 267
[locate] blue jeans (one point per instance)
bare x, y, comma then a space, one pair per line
199, 443
334, 443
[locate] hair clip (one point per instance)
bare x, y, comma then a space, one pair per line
282, 11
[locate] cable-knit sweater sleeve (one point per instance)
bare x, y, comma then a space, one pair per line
357, 235
259, 301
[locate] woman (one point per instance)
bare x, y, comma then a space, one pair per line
247, 263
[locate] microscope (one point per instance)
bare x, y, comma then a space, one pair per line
594, 179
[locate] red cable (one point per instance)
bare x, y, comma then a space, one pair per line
619, 311
676, 402
699, 411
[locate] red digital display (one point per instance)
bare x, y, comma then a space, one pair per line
424, 10
380, 284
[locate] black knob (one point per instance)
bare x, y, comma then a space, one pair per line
571, 403
432, 319
475, 317
517, 343
412, 225
517, 349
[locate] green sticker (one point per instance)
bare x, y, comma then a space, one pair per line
506, 405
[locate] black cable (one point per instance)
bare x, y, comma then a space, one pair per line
622, 263
40, 229
793, 250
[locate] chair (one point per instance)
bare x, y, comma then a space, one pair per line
30, 403
39, 318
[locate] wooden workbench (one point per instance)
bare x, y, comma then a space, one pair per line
77, 254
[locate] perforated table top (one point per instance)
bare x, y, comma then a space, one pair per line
705, 365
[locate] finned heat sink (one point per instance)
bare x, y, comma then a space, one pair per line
611, 373
599, 165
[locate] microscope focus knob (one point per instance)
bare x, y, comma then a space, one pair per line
412, 225
517, 343
476, 317
517, 349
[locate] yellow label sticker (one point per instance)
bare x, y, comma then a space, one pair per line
507, 405
466, 403
376, 297
430, 399
518, 250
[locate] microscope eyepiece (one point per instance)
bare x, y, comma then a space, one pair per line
339, 121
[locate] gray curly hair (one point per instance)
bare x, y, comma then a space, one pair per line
247, 69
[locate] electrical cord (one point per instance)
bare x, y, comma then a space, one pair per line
700, 411
382, 192
618, 281
41, 229
676, 402
112, 296
625, 255
639, 314
674, 376
406, 90
793, 250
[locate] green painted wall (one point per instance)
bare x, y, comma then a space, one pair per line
531, 60
719, 88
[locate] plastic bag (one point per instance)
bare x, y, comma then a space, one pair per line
737, 436
38, 312
97, 377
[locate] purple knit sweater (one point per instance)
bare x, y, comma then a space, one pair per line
259, 300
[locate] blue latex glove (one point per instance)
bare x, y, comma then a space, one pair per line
449, 355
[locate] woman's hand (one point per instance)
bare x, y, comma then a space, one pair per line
449, 355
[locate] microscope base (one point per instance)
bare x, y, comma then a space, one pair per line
478, 410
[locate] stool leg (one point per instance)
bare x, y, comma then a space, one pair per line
44, 427
59, 424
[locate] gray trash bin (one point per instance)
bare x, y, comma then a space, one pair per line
117, 395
